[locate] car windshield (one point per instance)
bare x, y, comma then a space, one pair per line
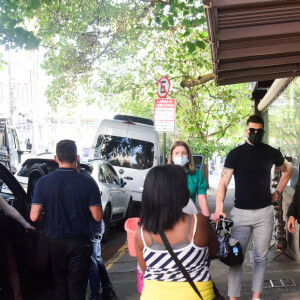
24, 171
125, 152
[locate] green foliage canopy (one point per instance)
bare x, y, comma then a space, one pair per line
113, 52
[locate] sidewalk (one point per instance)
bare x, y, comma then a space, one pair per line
122, 269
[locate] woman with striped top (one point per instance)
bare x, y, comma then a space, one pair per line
191, 237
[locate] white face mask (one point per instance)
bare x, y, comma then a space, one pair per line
181, 161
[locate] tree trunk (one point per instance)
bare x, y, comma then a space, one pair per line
206, 174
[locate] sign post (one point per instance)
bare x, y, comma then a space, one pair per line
164, 111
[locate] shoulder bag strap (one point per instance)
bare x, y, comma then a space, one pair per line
179, 264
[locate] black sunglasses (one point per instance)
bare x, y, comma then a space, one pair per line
253, 130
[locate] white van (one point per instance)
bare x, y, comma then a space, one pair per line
131, 145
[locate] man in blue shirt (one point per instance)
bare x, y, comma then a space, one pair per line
66, 198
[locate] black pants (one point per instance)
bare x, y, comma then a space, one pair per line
70, 259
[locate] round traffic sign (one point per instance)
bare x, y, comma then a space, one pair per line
163, 87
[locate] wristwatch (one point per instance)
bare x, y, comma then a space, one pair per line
277, 192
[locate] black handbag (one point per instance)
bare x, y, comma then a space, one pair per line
229, 251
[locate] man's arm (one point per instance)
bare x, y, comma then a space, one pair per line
286, 169
97, 212
36, 212
221, 193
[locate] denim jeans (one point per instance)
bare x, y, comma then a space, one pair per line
259, 222
98, 271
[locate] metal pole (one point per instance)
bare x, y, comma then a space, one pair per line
164, 149
11, 91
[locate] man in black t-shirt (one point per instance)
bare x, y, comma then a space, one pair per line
251, 165
67, 198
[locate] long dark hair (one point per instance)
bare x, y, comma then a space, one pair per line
165, 194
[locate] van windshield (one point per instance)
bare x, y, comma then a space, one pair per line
125, 152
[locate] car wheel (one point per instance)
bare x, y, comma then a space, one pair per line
106, 219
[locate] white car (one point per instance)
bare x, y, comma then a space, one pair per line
116, 200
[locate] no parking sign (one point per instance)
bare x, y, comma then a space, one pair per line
163, 87
164, 109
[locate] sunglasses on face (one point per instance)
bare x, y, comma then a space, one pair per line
254, 130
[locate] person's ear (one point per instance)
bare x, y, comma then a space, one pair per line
55, 158
78, 158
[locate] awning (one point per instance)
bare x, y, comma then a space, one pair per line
253, 40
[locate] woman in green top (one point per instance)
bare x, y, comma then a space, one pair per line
180, 154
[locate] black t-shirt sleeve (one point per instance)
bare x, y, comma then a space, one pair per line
230, 161
278, 158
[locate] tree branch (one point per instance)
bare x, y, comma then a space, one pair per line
200, 80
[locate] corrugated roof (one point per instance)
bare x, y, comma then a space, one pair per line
254, 40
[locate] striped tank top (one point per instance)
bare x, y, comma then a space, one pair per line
162, 267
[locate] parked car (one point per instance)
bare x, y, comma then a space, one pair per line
199, 162
116, 200
22, 174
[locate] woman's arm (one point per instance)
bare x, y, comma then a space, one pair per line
205, 235
212, 240
201, 193
139, 248
13, 213
202, 202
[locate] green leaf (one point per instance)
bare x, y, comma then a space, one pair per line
175, 13
186, 12
186, 23
201, 44
181, 5
188, 32
165, 25
34, 4
192, 47
157, 20
171, 20
200, 21
149, 22
203, 35
160, 5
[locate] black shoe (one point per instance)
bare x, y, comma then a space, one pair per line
110, 296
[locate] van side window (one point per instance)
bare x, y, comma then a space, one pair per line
125, 152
